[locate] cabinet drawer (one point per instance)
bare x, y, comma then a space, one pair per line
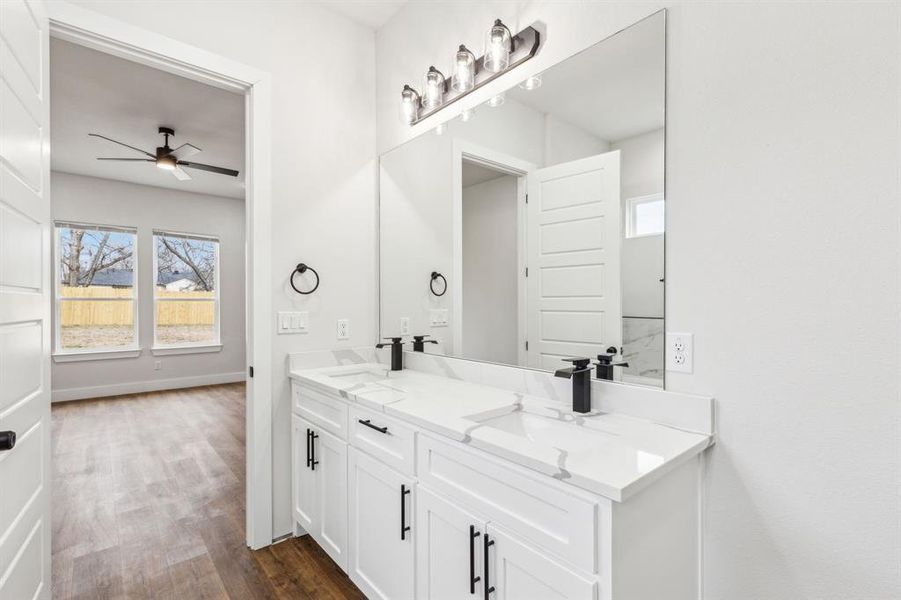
564, 522
394, 446
325, 410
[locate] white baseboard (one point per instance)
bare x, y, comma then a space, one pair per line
137, 387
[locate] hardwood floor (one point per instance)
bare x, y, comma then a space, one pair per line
148, 502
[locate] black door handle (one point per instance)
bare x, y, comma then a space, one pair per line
308, 445
369, 424
404, 528
473, 579
313, 461
7, 440
488, 543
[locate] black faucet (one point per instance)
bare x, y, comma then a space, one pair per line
419, 342
605, 364
580, 373
397, 352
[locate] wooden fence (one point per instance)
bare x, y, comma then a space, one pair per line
102, 311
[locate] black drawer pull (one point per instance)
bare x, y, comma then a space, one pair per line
404, 528
488, 544
309, 433
369, 424
473, 579
313, 461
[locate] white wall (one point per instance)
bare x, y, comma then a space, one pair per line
102, 201
641, 174
323, 172
491, 271
782, 258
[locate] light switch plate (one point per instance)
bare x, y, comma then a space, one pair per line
438, 317
291, 322
343, 329
405, 325
679, 352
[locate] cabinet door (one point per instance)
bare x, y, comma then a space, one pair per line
304, 488
381, 529
518, 571
448, 549
330, 468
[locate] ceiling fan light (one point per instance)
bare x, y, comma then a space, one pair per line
167, 163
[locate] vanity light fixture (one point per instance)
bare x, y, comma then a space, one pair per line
409, 105
496, 101
434, 85
464, 70
503, 52
499, 45
532, 83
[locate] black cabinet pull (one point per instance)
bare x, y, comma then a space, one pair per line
488, 544
313, 461
404, 528
473, 579
308, 445
7, 440
369, 424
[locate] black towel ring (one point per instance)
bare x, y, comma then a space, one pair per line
436, 275
302, 268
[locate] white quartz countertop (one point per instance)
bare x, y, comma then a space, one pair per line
609, 454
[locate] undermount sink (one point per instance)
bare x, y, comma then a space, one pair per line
360, 375
549, 431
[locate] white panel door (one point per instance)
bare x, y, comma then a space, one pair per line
574, 234
329, 463
448, 549
305, 494
24, 301
518, 571
381, 529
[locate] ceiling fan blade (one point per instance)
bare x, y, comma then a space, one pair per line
181, 174
129, 159
210, 168
153, 156
184, 151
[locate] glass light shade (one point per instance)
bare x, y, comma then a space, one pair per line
496, 101
464, 78
433, 85
166, 163
532, 83
409, 105
498, 45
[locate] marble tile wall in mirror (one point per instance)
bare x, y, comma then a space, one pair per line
544, 215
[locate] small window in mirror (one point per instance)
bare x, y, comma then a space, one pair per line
644, 216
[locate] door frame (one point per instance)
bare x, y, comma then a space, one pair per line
504, 163
112, 36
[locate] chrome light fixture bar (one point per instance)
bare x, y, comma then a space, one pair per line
525, 45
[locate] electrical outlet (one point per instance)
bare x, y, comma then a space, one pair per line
157, 365
679, 347
438, 317
405, 325
343, 329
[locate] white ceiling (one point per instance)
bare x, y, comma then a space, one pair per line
371, 13
474, 174
93, 92
614, 90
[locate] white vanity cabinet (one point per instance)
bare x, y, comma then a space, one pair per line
320, 487
382, 528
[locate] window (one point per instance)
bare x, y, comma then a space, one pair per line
644, 216
186, 290
95, 296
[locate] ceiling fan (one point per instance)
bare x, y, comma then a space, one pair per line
168, 159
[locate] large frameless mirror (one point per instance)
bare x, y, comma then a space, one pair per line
531, 229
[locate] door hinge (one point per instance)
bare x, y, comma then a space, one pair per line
527, 345
527, 198
527, 271
250, 371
